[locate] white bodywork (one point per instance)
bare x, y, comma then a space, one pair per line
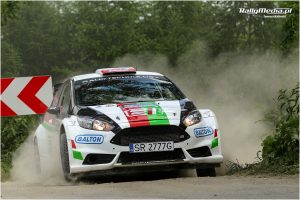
73, 129
48, 137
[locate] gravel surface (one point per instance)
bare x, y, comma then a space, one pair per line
232, 187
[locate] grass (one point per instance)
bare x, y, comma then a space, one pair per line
261, 167
5, 170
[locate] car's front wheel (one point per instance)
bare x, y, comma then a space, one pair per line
65, 158
206, 172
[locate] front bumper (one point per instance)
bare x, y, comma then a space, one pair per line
78, 152
215, 159
136, 170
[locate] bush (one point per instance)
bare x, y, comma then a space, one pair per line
282, 147
280, 152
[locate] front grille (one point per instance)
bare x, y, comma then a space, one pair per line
199, 152
93, 159
150, 134
129, 158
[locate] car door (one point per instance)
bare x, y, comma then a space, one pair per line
47, 134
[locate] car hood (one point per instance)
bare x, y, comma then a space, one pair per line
142, 113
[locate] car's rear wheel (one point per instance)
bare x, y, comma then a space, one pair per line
65, 159
206, 172
37, 158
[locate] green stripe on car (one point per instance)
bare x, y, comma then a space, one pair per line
77, 155
156, 116
214, 143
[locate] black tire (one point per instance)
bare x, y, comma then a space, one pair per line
206, 172
37, 158
64, 155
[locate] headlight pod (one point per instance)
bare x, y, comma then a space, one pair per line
94, 124
102, 125
192, 118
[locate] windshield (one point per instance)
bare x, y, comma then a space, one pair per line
119, 89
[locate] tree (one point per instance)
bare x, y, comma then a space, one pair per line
290, 28
8, 10
38, 38
12, 64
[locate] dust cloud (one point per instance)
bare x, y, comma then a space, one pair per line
239, 88
25, 170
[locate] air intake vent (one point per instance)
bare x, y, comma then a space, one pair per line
199, 152
93, 159
150, 134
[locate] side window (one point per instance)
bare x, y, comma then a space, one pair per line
65, 99
56, 97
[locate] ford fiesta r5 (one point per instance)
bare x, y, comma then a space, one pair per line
121, 119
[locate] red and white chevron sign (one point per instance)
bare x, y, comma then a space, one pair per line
25, 95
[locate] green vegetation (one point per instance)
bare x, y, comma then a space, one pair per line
280, 152
59, 38
14, 131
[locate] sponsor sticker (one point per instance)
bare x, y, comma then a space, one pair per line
203, 131
144, 114
89, 139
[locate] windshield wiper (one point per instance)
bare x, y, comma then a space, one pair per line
147, 100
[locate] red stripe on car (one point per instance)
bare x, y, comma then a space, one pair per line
73, 144
216, 133
135, 115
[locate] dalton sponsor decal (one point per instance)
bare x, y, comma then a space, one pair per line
203, 131
89, 139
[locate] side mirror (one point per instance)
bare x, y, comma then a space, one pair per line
189, 105
53, 110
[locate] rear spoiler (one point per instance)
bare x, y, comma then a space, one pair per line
119, 70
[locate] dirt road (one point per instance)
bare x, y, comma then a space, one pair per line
167, 187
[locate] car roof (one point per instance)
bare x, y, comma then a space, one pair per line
97, 75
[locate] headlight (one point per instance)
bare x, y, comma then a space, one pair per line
94, 124
102, 125
193, 117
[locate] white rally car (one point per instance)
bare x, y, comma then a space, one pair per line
120, 119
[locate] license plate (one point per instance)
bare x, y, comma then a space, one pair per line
151, 147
